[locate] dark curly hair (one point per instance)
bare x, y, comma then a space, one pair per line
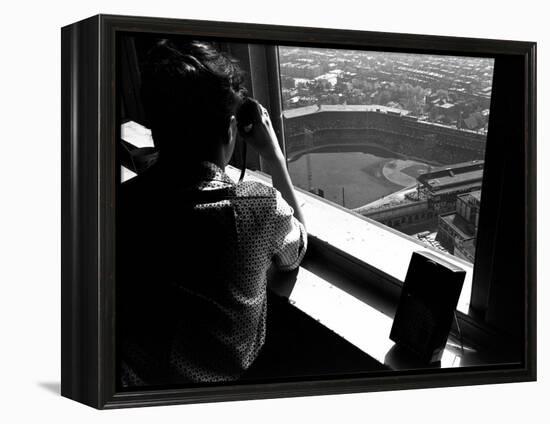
189, 93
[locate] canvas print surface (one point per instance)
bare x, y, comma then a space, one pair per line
242, 165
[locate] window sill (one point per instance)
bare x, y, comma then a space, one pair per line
359, 319
365, 316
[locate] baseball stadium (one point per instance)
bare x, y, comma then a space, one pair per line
386, 165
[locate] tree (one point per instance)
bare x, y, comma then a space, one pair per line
385, 97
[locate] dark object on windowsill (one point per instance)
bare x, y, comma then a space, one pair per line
427, 305
400, 357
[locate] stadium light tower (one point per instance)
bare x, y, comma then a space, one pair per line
309, 174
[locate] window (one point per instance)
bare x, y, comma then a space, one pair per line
388, 134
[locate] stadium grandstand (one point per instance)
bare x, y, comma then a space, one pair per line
313, 127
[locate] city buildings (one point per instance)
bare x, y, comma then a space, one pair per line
457, 230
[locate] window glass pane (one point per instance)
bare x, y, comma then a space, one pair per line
398, 138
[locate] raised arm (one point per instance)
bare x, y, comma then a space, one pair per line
263, 138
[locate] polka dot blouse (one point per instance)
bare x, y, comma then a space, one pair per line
207, 325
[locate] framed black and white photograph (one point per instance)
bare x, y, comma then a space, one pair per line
254, 211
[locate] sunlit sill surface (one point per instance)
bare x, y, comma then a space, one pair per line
360, 323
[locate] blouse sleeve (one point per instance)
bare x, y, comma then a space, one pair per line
290, 238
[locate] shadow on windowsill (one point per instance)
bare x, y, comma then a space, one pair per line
51, 386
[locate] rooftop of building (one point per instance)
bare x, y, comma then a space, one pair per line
458, 224
393, 200
452, 175
474, 195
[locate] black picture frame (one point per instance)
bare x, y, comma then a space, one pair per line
90, 174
